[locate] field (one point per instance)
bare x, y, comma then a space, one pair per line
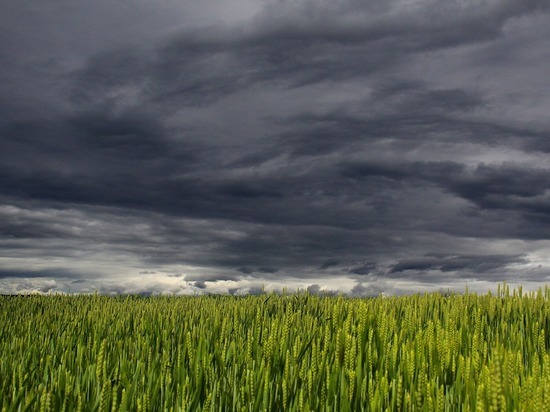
274, 352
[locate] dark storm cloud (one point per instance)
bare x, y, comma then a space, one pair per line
196, 68
329, 263
456, 268
38, 273
406, 115
312, 141
364, 269
200, 284
264, 269
127, 137
471, 263
246, 270
28, 230
505, 186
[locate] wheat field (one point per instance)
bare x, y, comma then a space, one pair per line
295, 352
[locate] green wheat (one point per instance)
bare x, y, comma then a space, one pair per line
463, 352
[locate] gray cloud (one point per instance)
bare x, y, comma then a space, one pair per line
29, 286
361, 290
329, 263
200, 284
364, 269
477, 264
316, 289
38, 273
351, 146
505, 186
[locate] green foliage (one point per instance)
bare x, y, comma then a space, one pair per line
285, 353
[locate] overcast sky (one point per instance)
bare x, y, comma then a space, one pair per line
222, 146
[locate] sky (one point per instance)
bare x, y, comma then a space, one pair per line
241, 146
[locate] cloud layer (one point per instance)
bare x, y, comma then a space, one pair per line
365, 147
